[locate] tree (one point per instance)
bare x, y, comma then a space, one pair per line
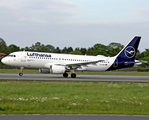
57, 50
26, 49
146, 53
13, 48
69, 49
3, 47
77, 49
83, 51
89, 51
138, 55
114, 48
99, 49
76, 52
36, 47
65, 50
49, 48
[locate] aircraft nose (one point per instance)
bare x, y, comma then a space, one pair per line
3, 60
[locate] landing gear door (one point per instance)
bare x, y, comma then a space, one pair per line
23, 57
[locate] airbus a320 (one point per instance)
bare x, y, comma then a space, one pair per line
63, 63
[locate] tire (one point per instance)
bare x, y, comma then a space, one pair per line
65, 75
73, 75
21, 74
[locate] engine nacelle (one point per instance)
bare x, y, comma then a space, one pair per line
57, 69
43, 70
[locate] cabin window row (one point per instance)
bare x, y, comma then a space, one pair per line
61, 59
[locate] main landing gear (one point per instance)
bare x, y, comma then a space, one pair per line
21, 73
65, 74
73, 75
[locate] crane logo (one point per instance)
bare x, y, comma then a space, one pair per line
130, 52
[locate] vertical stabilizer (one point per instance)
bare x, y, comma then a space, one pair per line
130, 50
126, 57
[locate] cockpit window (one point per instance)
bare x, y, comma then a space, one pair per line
11, 55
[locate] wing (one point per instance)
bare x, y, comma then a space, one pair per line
73, 66
78, 65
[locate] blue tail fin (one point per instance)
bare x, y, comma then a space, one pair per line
129, 51
126, 57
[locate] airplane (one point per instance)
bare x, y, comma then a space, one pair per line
63, 63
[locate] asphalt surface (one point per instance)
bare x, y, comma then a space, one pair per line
82, 78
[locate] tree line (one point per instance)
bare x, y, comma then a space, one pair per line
98, 49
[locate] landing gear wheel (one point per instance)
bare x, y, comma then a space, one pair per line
73, 75
65, 75
20, 74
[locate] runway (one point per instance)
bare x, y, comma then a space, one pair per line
79, 78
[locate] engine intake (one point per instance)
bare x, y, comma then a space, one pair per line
57, 69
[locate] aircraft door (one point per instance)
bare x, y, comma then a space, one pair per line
23, 57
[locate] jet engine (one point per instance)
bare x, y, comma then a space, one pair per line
43, 70
57, 69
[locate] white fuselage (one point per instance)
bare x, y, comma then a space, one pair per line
44, 60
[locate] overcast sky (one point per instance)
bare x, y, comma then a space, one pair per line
75, 23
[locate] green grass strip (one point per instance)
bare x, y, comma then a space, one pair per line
122, 73
18, 97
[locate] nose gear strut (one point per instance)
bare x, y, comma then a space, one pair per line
21, 73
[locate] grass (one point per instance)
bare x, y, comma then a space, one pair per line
16, 71
19, 97
36, 71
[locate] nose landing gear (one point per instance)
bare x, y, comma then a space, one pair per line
21, 73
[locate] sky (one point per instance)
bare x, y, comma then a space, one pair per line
74, 23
